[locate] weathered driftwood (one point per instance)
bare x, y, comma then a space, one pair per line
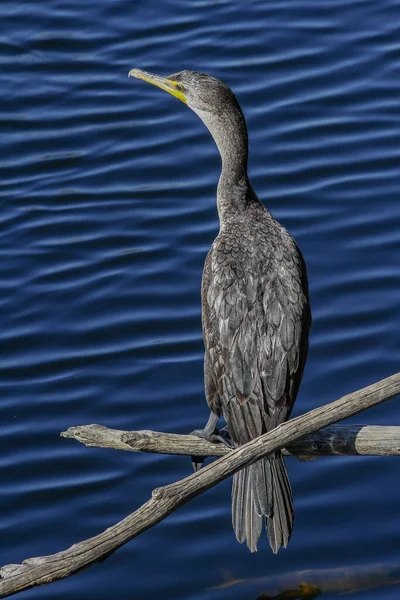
45, 569
347, 440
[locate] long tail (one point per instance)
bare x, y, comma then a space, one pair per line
263, 490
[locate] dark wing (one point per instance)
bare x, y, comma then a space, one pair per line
255, 329
287, 316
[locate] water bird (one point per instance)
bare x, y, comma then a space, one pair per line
255, 314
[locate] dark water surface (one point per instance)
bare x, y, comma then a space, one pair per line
107, 211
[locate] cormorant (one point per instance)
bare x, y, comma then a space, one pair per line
255, 313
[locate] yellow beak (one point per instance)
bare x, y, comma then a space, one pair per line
168, 85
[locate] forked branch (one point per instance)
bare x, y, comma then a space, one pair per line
45, 569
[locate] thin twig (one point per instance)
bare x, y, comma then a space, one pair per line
40, 570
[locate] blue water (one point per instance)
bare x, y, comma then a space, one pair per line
107, 212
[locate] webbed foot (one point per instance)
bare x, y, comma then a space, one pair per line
217, 437
212, 434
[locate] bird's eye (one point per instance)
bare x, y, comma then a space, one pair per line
179, 87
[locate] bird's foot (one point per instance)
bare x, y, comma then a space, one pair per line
217, 437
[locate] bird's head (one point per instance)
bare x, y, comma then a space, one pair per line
201, 92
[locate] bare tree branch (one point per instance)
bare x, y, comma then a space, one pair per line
40, 570
347, 440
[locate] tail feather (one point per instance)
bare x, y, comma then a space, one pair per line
263, 489
260, 475
279, 528
247, 523
254, 522
239, 486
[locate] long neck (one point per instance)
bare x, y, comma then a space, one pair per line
228, 128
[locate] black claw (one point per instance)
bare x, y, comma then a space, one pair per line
197, 462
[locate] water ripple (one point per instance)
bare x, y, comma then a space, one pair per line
108, 209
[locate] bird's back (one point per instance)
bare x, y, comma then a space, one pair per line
256, 319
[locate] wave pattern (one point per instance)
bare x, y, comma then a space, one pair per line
108, 209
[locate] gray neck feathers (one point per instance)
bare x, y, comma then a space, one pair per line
228, 128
